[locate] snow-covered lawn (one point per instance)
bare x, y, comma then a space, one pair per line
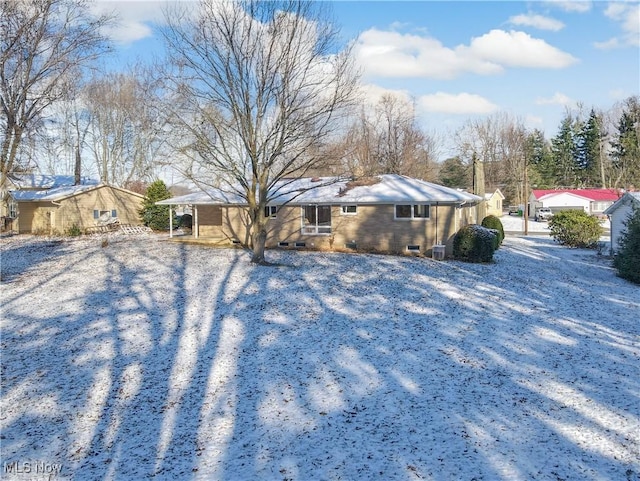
147, 359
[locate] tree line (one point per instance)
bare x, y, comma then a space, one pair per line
254, 93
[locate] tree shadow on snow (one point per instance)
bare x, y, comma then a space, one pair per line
184, 363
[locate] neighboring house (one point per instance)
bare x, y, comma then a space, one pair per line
494, 203
591, 201
56, 210
29, 182
618, 214
386, 213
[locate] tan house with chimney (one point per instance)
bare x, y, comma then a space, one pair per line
390, 213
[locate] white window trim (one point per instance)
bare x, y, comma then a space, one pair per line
12, 209
273, 211
314, 229
343, 212
413, 217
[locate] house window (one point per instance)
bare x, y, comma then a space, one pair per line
600, 206
349, 209
13, 209
316, 219
270, 211
103, 215
283, 244
300, 244
413, 248
415, 211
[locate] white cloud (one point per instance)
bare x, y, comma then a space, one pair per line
462, 103
557, 99
607, 44
394, 54
578, 6
537, 21
372, 94
134, 19
628, 16
518, 49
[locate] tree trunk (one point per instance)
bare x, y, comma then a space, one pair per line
259, 240
77, 174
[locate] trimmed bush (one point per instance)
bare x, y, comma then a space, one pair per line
474, 243
575, 228
627, 258
492, 222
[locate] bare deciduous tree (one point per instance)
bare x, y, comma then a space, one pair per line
44, 45
388, 140
499, 142
259, 90
126, 132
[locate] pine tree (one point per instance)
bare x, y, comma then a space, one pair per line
589, 152
156, 216
626, 146
563, 151
627, 259
543, 172
454, 173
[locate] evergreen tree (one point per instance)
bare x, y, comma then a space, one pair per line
626, 146
627, 259
563, 151
589, 152
543, 171
156, 216
454, 173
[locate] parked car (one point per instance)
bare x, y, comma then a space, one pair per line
543, 213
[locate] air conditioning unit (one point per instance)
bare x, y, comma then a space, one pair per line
437, 252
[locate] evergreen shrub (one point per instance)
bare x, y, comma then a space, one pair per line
575, 228
627, 257
74, 231
475, 243
156, 216
493, 222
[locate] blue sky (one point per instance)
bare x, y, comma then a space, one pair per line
465, 60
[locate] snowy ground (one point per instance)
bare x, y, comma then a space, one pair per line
147, 359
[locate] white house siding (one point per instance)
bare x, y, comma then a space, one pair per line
618, 215
565, 201
618, 218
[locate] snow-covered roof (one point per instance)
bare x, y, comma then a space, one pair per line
497, 192
599, 195
627, 198
210, 196
384, 189
58, 194
37, 181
